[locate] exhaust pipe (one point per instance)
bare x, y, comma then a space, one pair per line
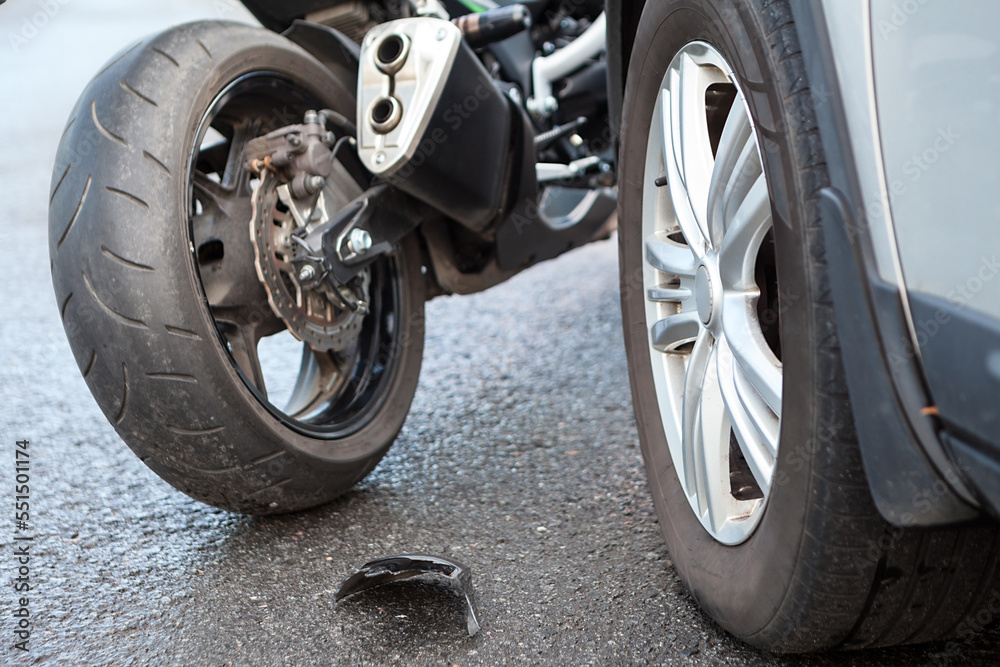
391, 53
384, 114
432, 122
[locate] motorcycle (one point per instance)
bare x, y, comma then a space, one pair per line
221, 186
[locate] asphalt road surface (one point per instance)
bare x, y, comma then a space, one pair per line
520, 458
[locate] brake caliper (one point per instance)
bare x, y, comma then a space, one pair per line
300, 182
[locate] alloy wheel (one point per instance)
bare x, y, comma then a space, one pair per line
711, 294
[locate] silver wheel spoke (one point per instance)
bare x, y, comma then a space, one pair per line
713, 454
746, 173
675, 330
738, 256
737, 166
669, 294
750, 350
694, 379
687, 151
696, 146
753, 422
669, 256
765, 422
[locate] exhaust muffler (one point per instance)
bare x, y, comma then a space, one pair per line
432, 122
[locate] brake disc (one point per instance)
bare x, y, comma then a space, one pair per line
312, 309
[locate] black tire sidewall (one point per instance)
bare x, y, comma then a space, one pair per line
743, 586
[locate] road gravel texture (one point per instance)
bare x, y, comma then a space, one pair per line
519, 458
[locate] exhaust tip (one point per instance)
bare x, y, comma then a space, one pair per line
384, 114
391, 53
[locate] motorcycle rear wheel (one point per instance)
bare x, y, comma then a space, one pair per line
153, 269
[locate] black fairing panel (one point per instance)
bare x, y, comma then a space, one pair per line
515, 55
333, 49
278, 16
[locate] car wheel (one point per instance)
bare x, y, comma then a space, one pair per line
736, 373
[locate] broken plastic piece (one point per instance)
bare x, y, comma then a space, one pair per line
393, 568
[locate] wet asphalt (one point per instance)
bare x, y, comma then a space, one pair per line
519, 458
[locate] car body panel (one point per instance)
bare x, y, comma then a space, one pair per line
937, 73
848, 28
836, 37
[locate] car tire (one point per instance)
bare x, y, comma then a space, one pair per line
800, 559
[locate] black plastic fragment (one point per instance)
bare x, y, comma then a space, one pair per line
394, 568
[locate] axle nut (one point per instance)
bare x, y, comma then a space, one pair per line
359, 241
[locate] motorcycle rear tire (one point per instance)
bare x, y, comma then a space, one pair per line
127, 278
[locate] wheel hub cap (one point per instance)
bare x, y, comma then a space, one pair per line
703, 294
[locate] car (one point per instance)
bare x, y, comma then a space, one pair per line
808, 204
